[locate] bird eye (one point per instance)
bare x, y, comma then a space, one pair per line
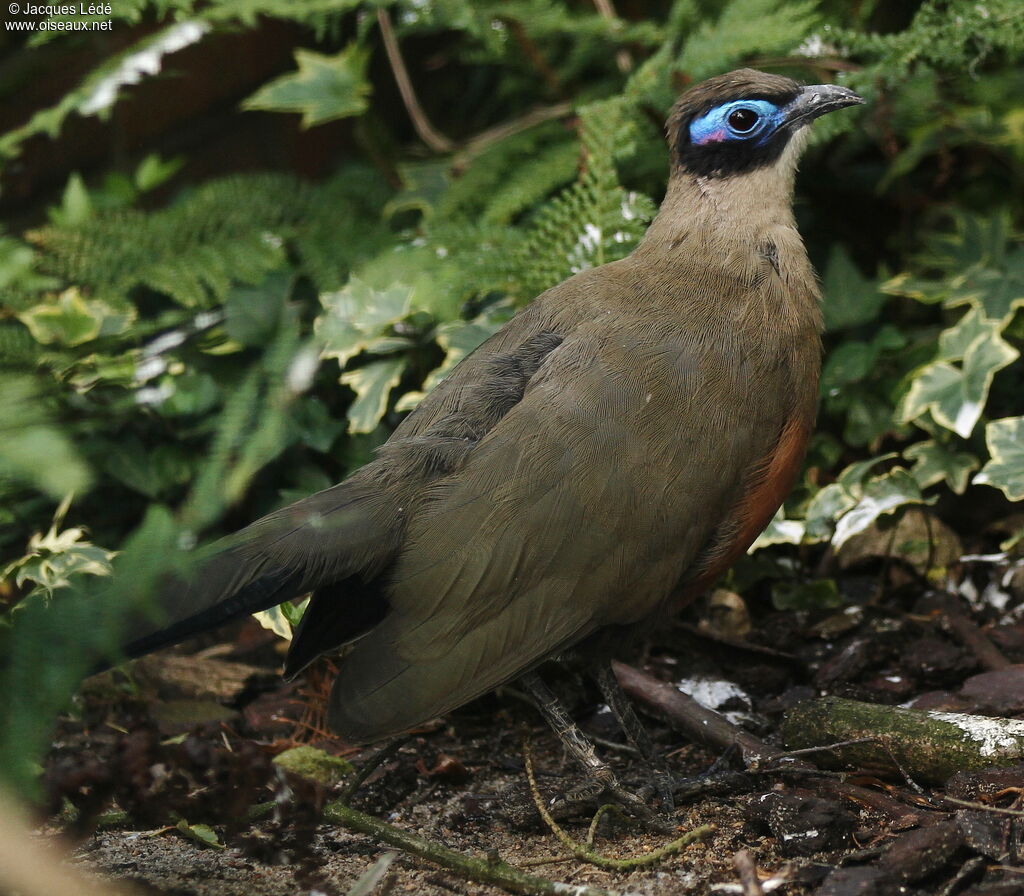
743, 120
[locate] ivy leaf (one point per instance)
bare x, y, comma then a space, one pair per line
282, 619
154, 171
73, 320
355, 317
52, 559
881, 495
201, 833
997, 293
252, 313
313, 424
956, 340
372, 384
323, 89
935, 462
1005, 468
851, 298
956, 395
76, 206
852, 361
424, 185
838, 498
779, 531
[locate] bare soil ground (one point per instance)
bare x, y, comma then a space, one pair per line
189, 742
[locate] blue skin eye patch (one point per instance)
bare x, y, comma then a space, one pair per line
714, 127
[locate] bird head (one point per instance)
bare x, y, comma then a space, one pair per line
744, 120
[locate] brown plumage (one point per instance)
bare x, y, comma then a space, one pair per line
593, 465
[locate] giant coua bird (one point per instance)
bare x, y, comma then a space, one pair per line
591, 467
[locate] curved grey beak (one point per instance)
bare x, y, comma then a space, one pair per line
816, 100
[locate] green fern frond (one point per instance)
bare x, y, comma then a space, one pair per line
526, 185
234, 230
227, 230
745, 28
595, 220
954, 35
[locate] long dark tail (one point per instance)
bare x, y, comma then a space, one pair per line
267, 591
322, 539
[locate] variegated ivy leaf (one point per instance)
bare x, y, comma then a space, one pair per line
779, 531
998, 293
827, 506
838, 498
282, 619
55, 557
355, 319
372, 384
956, 395
1005, 468
323, 88
935, 462
458, 339
881, 495
73, 320
954, 341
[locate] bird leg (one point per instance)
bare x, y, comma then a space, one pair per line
601, 777
622, 708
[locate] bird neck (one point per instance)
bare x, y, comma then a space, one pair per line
738, 209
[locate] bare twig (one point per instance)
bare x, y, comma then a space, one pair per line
586, 854
482, 870
476, 145
428, 133
623, 59
982, 807
744, 864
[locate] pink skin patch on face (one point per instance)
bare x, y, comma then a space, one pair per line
714, 137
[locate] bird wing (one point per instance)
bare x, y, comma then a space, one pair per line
581, 508
341, 538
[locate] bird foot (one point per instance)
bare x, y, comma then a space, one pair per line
587, 796
660, 783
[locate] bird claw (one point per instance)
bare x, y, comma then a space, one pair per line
593, 792
660, 784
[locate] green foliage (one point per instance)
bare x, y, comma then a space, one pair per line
1005, 466
171, 351
593, 221
323, 89
55, 558
744, 28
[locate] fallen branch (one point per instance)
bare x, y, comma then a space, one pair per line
929, 746
686, 715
